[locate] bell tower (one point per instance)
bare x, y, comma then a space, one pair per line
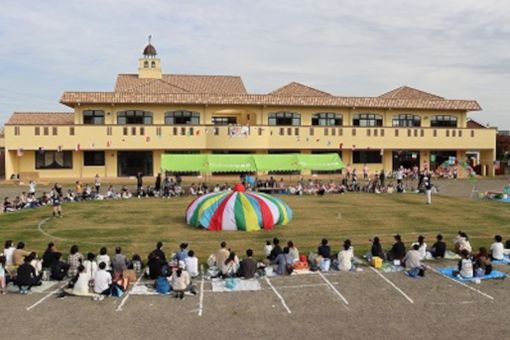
149, 66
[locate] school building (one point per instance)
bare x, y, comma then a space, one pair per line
122, 132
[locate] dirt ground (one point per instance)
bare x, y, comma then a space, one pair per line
354, 305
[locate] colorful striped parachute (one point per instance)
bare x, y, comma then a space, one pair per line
237, 210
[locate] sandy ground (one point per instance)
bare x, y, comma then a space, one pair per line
309, 308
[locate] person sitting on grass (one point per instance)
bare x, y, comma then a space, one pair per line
191, 264
497, 248
412, 262
483, 263
103, 257
129, 275
324, 249
59, 268
119, 261
3, 275
182, 253
8, 253
103, 281
465, 266
439, 248
26, 277
344, 258
81, 286
248, 266
19, 254
267, 248
398, 250
221, 255
422, 246
90, 265
283, 262
230, 266
376, 249
293, 252
275, 251
49, 256
462, 243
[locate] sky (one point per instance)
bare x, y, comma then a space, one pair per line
458, 49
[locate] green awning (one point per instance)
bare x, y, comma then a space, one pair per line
250, 163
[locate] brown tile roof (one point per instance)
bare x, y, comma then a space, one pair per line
473, 124
73, 98
41, 118
173, 83
406, 92
298, 90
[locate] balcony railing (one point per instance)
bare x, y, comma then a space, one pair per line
178, 137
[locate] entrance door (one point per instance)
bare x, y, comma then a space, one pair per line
406, 158
439, 157
130, 163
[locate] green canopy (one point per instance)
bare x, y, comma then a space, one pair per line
250, 163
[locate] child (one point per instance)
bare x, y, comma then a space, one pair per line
3, 282
466, 265
268, 248
57, 205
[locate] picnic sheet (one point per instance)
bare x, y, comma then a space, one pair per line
493, 275
240, 285
36, 289
506, 260
143, 288
388, 267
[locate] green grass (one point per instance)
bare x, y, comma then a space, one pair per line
137, 224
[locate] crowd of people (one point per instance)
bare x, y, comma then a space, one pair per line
102, 274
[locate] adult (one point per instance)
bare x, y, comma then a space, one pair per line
103, 257
497, 248
412, 261
50, 256
81, 286
19, 254
376, 249
182, 253
293, 252
157, 259
157, 184
221, 255
75, 259
191, 264
345, 257
56, 202
181, 282
26, 277
103, 281
277, 250
90, 265
97, 183
324, 250
8, 252
398, 250
3, 276
248, 266
283, 262
462, 243
427, 183
483, 263
139, 183
422, 246
230, 265
119, 261
59, 268
439, 248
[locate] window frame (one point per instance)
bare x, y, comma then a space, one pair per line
370, 119
434, 121
406, 120
327, 119
90, 158
185, 117
144, 117
366, 157
93, 117
40, 160
289, 118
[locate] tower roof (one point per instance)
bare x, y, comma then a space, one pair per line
150, 50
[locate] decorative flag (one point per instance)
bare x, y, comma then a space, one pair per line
198, 132
108, 144
148, 139
78, 148
414, 155
19, 153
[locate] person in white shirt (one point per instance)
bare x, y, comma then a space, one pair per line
103, 281
8, 251
497, 248
268, 247
293, 252
90, 265
191, 264
413, 258
466, 265
345, 258
180, 282
81, 286
461, 242
422, 246
31, 187
103, 257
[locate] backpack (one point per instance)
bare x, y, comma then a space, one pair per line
161, 285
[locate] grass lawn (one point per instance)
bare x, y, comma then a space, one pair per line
137, 224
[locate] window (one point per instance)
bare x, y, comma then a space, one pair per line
367, 156
71, 131
93, 117
146, 64
367, 119
444, 121
182, 117
54, 160
54, 131
46, 130
93, 158
224, 120
284, 118
37, 131
406, 120
17, 131
153, 64
134, 117
327, 119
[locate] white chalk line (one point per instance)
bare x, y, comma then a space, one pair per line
279, 295
392, 284
119, 307
201, 300
45, 297
334, 289
462, 284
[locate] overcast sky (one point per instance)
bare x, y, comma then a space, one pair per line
459, 49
